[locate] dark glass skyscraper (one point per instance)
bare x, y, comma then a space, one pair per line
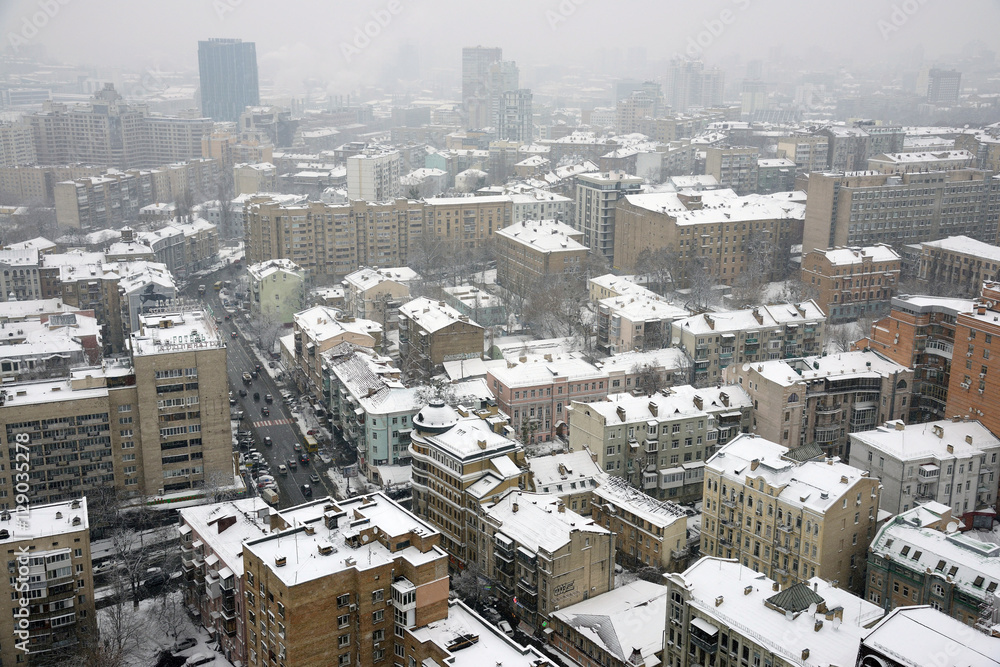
228, 71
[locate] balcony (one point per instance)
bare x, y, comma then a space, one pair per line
729, 502
704, 644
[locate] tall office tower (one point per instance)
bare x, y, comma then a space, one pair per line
514, 116
228, 73
476, 61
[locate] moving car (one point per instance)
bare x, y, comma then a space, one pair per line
246, 378
314, 478
282, 469
293, 464
268, 398
304, 458
233, 334
307, 490
243, 393
267, 441
265, 411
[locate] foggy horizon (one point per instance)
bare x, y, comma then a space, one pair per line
317, 45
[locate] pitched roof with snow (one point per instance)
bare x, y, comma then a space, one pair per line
537, 522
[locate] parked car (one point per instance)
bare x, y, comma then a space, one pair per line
199, 659
156, 580
183, 644
505, 628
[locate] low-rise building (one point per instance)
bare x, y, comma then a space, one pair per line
720, 609
249, 179
541, 556
185, 247
458, 464
923, 161
531, 252
431, 333
49, 346
660, 443
953, 462
775, 175
912, 635
715, 341
957, 266
788, 519
919, 333
636, 322
648, 532
620, 628
377, 294
918, 557
277, 288
321, 328
852, 282
821, 400
537, 391
48, 600
570, 475
479, 305
646, 372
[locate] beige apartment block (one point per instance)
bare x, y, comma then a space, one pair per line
660, 443
648, 532
542, 556
249, 179
809, 153
720, 610
466, 222
864, 208
48, 553
431, 333
531, 252
330, 241
957, 265
333, 580
716, 341
460, 463
377, 293
710, 227
733, 167
852, 282
822, 400
787, 519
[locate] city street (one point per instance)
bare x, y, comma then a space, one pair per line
280, 425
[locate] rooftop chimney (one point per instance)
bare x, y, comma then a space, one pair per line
754, 464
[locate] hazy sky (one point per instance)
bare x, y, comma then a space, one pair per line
299, 39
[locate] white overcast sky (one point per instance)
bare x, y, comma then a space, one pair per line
298, 39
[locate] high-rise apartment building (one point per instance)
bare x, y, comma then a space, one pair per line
821, 400
974, 384
514, 121
48, 599
476, 63
788, 519
16, 144
919, 333
943, 86
227, 70
809, 153
865, 208
108, 131
373, 175
689, 84
597, 196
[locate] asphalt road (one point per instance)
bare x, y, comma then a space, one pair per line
280, 425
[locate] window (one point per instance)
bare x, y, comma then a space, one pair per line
343, 621
344, 600
344, 640
378, 615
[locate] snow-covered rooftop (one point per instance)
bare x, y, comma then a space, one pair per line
544, 235
915, 634
644, 306
163, 333
45, 520
214, 526
17, 310
786, 372
659, 513
262, 270
677, 402
718, 206
946, 554
365, 278
744, 606
910, 442
668, 358
537, 370
622, 620
538, 522
745, 320
320, 323
966, 246
570, 472
489, 647
849, 256
432, 315
813, 485
323, 551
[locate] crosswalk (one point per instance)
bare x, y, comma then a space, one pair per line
271, 422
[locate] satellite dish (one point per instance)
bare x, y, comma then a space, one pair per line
364, 539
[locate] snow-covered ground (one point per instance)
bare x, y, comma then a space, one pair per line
156, 622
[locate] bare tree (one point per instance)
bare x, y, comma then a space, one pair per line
469, 587
650, 377
657, 266
700, 284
